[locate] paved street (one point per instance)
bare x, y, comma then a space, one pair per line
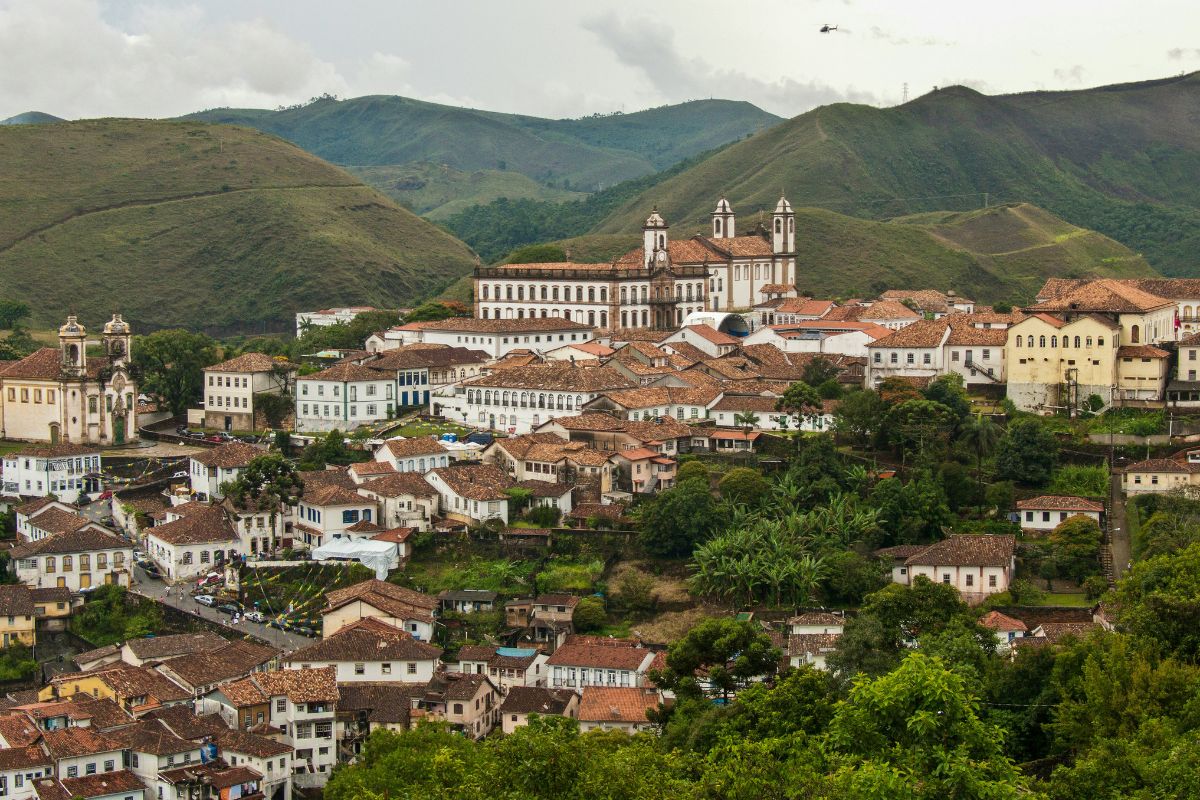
97, 512
1121, 550
157, 589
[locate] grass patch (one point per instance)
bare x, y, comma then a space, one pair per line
302, 588
419, 428
1072, 599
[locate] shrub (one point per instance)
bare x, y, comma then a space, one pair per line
589, 615
543, 516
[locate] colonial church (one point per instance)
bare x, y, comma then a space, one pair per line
63, 395
656, 285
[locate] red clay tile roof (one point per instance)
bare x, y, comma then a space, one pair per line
179, 644
817, 618
16, 601
1162, 465
368, 639
811, 644
61, 450
1055, 502
712, 334
387, 597
20, 758
968, 550
888, 310
741, 402
332, 494
651, 396
251, 744
345, 372
202, 526
230, 455
485, 482
400, 483
1001, 622
502, 326
616, 704
1140, 351
68, 743
104, 784
536, 700
606, 656
298, 685
416, 446
227, 662
250, 362
924, 333
1104, 295
555, 376
55, 520
85, 540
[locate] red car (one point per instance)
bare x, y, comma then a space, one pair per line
105, 495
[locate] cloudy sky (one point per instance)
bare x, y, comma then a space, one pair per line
155, 58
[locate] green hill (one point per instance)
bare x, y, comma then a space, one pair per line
210, 227
1121, 160
437, 191
31, 118
584, 154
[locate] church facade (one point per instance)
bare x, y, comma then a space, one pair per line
656, 285
64, 395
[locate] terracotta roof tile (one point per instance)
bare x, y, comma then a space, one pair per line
888, 310
416, 446
345, 372
626, 657
502, 326
68, 743
536, 700
1001, 622
230, 455
1104, 295
556, 376
925, 333
179, 644
811, 644
1056, 502
616, 704
202, 526
367, 639
476, 481
387, 597
85, 540
400, 483
968, 550
1141, 351
251, 362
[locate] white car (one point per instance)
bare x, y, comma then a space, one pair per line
206, 600
256, 616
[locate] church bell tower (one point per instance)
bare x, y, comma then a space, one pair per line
72, 345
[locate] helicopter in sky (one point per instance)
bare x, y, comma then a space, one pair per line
828, 28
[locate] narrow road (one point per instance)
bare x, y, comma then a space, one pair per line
170, 595
1122, 552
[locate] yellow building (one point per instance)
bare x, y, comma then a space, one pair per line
1092, 339
18, 621
62, 394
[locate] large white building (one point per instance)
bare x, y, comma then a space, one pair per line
497, 337
229, 389
656, 285
63, 470
342, 315
343, 397
62, 394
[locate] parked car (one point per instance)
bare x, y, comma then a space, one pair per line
256, 616
105, 495
210, 579
214, 438
229, 608
281, 624
180, 474
304, 630
206, 600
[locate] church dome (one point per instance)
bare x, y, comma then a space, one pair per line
72, 327
783, 206
723, 207
655, 220
116, 325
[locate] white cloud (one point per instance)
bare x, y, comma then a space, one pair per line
650, 49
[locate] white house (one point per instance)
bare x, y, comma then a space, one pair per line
329, 316
613, 708
79, 752
331, 511
499, 337
300, 704
343, 397
521, 701
1044, 513
404, 499
507, 667
472, 493
79, 559
812, 636
370, 650
208, 470
1008, 629
269, 758
419, 454
517, 400
578, 664
976, 564
708, 339
194, 540
402, 608
64, 470
21, 768
834, 337
914, 351
230, 387
418, 369
154, 749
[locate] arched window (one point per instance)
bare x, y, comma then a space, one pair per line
662, 240
567, 315
524, 399
1041, 341
543, 292
591, 294
603, 294
487, 398
592, 318
520, 313
624, 319
603, 319
1054, 341
543, 313
779, 226
50, 564
520, 292
624, 295
485, 291
717, 227
1135, 334
579, 401
554, 293
1019, 339
645, 294
1089, 342
1077, 342
578, 294
560, 402
508, 292
570, 406
541, 401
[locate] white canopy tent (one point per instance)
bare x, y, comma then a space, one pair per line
379, 556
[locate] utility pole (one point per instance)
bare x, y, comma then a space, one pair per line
905, 100
985, 199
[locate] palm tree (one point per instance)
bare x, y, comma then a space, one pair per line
981, 435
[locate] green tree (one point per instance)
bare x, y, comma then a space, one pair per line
917, 733
948, 390
916, 426
1159, 601
744, 486
518, 498
858, 415
980, 436
429, 312
172, 366
819, 370
537, 254
691, 470
1075, 547
799, 399
12, 312
747, 421
1027, 452
589, 615
725, 653
274, 407
268, 482
893, 618
678, 519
